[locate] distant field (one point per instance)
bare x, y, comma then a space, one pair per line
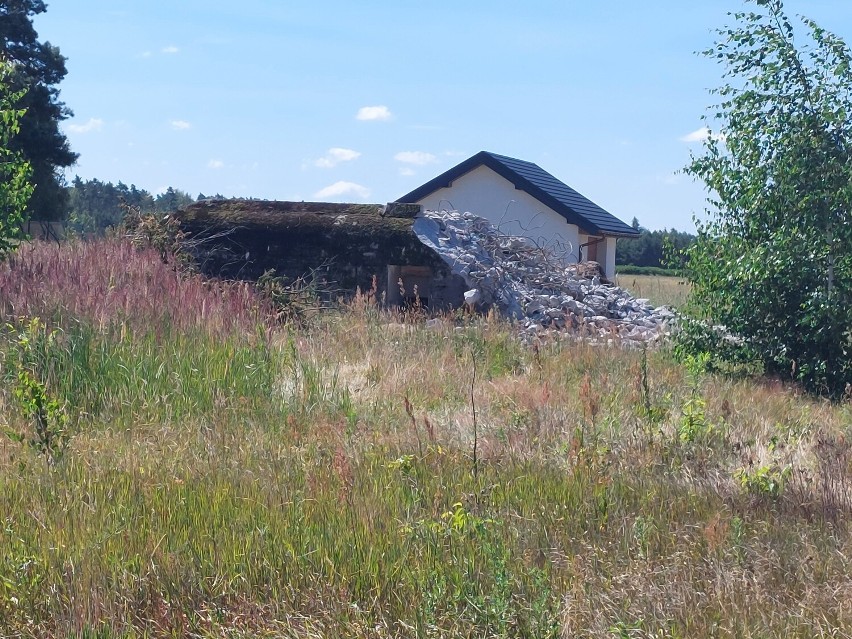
660, 289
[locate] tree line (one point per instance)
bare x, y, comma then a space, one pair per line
95, 206
658, 249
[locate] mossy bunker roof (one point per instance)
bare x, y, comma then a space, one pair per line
285, 216
252, 236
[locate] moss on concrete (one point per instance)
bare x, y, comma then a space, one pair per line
350, 243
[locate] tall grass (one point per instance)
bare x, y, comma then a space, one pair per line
244, 481
109, 282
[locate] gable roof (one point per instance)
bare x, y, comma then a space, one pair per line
541, 185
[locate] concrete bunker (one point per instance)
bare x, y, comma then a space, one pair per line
341, 248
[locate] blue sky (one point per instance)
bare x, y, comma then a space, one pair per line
364, 101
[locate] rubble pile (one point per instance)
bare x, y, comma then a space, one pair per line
532, 285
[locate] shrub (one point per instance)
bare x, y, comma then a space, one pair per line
773, 266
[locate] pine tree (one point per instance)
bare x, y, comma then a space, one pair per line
37, 68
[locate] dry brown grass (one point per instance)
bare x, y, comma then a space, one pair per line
659, 289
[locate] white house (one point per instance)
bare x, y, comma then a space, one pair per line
521, 198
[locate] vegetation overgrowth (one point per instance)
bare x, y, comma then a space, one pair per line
94, 206
771, 269
179, 465
15, 171
32, 69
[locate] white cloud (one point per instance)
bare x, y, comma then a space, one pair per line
170, 49
702, 135
343, 188
699, 135
418, 158
335, 156
374, 113
406, 171
93, 124
215, 164
145, 54
180, 125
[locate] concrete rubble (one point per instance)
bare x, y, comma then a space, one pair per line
533, 286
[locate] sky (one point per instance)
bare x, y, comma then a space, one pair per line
363, 101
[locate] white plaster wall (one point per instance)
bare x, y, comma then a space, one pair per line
607, 260
514, 212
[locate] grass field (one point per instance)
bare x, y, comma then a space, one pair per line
659, 289
176, 464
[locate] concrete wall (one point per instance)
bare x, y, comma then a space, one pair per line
342, 247
606, 256
514, 212
435, 290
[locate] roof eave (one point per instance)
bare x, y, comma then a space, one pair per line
624, 234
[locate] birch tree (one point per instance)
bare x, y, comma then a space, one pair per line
773, 263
